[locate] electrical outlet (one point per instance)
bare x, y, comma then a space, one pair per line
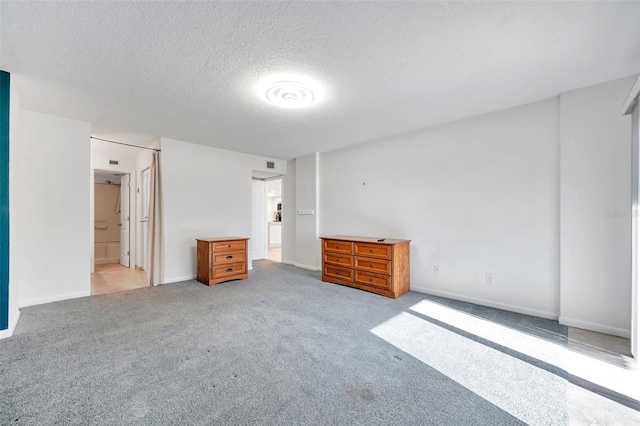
489, 279
436, 269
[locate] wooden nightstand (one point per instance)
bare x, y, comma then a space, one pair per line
222, 259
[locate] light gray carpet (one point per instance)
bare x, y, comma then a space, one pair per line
279, 348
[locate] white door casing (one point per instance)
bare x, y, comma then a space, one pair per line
124, 220
635, 232
258, 241
631, 106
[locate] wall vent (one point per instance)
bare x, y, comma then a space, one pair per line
271, 165
113, 162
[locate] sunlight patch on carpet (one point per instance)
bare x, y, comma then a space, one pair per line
529, 393
613, 377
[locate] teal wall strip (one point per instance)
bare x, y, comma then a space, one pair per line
4, 199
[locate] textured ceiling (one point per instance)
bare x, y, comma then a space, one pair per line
190, 70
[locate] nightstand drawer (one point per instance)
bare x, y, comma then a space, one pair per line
229, 257
373, 280
368, 264
381, 251
229, 269
229, 246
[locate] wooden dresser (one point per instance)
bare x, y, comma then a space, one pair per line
367, 263
222, 259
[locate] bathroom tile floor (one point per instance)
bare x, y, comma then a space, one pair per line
114, 277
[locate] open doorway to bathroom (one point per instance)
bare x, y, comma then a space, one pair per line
274, 218
114, 232
119, 209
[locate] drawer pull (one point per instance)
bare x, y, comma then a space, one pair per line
370, 280
229, 245
370, 251
229, 269
370, 266
337, 247
229, 257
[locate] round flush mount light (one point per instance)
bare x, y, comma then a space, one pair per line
289, 94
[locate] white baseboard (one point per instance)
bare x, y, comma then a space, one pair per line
484, 302
9, 332
56, 298
311, 268
300, 265
179, 279
600, 328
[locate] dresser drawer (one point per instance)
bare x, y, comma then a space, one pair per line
336, 272
228, 246
229, 257
380, 251
337, 246
228, 269
369, 264
373, 280
338, 259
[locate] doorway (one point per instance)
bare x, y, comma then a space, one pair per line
274, 219
258, 241
266, 217
114, 234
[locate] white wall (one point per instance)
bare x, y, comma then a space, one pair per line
54, 209
102, 152
289, 214
207, 193
14, 216
596, 208
307, 198
476, 196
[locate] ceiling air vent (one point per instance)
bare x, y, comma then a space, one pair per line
113, 162
271, 165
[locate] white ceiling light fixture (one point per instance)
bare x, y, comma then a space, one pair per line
290, 91
289, 94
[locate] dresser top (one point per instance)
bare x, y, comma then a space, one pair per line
365, 239
216, 240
